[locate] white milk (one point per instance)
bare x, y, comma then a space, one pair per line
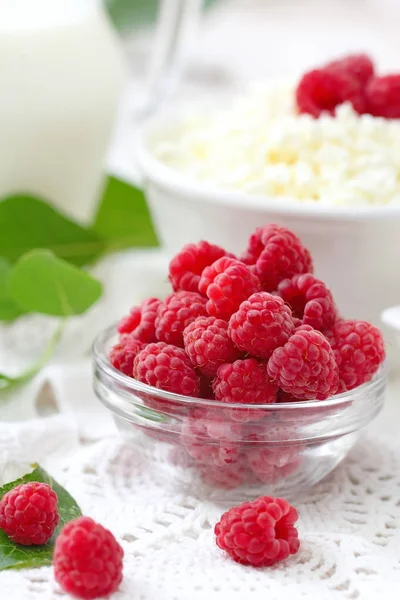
61, 72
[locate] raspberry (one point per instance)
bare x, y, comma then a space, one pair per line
226, 283
211, 441
259, 533
244, 382
208, 345
176, 312
262, 323
383, 96
277, 254
168, 368
273, 464
187, 266
87, 559
310, 300
305, 367
228, 477
359, 350
140, 321
29, 513
123, 353
322, 90
358, 66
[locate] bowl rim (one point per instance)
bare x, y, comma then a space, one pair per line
101, 360
153, 170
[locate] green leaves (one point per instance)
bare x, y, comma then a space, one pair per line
27, 223
8, 309
42, 283
123, 219
13, 556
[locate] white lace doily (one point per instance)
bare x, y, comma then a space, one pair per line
349, 524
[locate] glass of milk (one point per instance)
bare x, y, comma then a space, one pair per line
62, 71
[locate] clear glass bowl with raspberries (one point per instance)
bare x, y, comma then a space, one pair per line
245, 380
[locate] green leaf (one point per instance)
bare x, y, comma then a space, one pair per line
42, 283
14, 556
8, 309
123, 219
27, 223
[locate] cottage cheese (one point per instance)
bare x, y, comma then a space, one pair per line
260, 146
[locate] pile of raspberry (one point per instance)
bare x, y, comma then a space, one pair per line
351, 79
245, 332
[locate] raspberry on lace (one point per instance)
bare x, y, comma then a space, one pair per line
226, 283
29, 513
168, 368
176, 312
245, 382
261, 324
208, 345
87, 559
358, 66
305, 366
322, 90
187, 266
123, 353
276, 254
310, 300
140, 321
359, 350
259, 533
383, 96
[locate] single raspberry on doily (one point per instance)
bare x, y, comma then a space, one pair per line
259, 533
310, 300
175, 313
305, 366
87, 559
359, 350
140, 322
226, 283
29, 513
276, 253
168, 368
261, 324
186, 267
208, 344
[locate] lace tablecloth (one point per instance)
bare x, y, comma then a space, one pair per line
349, 524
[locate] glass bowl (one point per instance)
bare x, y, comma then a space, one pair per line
233, 452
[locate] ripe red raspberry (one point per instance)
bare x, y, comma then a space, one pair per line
228, 477
29, 513
310, 300
262, 323
359, 350
168, 368
305, 366
211, 441
383, 96
226, 283
176, 312
87, 559
322, 90
277, 254
123, 353
358, 66
271, 464
244, 382
259, 533
140, 321
187, 266
208, 345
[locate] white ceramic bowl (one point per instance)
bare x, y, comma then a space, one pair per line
356, 250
